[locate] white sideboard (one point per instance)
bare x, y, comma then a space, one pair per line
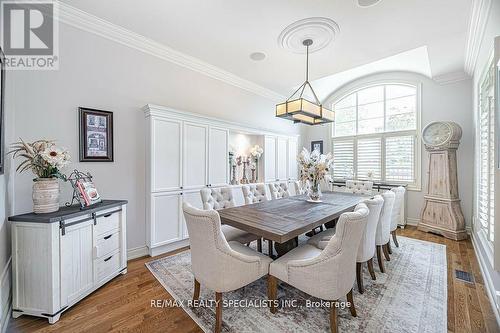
186, 152
59, 258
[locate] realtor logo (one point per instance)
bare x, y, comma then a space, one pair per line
29, 35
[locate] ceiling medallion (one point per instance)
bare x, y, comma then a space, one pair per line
367, 3
299, 109
320, 29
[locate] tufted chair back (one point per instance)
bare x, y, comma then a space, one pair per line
384, 223
359, 186
302, 187
366, 248
214, 263
279, 190
398, 202
254, 193
335, 265
217, 198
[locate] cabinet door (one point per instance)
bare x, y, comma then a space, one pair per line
195, 162
194, 199
76, 261
292, 159
282, 159
166, 155
218, 164
270, 159
166, 225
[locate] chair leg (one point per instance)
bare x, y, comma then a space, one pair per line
333, 318
389, 247
394, 238
321, 227
386, 252
272, 286
196, 293
359, 277
218, 312
370, 269
350, 299
259, 245
379, 258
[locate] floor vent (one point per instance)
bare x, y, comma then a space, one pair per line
464, 276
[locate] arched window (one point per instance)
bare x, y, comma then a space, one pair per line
375, 134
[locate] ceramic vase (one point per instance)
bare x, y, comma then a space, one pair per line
45, 195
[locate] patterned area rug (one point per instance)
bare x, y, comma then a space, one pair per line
410, 297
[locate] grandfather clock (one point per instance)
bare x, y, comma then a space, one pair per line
441, 212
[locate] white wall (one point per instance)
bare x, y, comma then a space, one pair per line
98, 73
439, 102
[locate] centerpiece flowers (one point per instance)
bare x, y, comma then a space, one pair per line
315, 168
256, 152
45, 160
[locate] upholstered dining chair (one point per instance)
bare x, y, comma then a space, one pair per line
279, 190
326, 274
220, 198
216, 264
301, 187
359, 186
383, 234
396, 212
254, 193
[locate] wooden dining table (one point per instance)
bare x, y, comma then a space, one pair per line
283, 220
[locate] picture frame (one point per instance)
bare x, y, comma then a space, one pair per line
96, 135
317, 145
2, 112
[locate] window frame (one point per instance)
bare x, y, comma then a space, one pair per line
417, 133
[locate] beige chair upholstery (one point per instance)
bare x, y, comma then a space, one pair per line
383, 233
359, 186
396, 211
326, 274
301, 187
320, 240
216, 264
366, 248
254, 193
279, 190
217, 198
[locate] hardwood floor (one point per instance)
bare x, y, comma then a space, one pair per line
124, 304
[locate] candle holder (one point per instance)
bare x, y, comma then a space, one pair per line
244, 179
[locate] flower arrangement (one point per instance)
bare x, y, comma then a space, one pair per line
42, 157
256, 151
314, 167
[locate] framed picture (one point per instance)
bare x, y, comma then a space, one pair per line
96, 135
2, 111
317, 145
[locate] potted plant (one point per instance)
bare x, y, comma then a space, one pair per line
45, 160
315, 168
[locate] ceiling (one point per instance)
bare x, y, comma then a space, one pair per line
225, 32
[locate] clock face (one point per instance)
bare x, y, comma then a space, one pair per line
436, 134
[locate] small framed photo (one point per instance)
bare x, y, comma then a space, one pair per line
96, 135
317, 145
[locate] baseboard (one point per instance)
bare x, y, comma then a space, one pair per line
5, 296
137, 252
490, 289
412, 221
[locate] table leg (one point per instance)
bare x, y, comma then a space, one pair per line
282, 248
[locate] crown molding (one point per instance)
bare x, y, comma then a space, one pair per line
477, 24
82, 20
449, 78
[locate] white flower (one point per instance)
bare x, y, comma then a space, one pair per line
55, 156
256, 151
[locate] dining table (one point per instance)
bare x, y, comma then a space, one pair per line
283, 220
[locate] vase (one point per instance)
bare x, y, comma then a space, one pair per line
45, 195
315, 193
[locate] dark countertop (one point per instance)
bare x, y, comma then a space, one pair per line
65, 213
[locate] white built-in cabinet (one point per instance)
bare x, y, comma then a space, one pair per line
186, 152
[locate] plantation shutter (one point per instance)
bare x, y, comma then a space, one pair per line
399, 158
369, 158
343, 158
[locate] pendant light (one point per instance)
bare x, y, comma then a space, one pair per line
300, 110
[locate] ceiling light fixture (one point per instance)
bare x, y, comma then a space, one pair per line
299, 109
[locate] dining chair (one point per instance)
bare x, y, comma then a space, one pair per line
220, 198
279, 190
254, 193
396, 212
301, 187
219, 265
327, 274
383, 234
359, 186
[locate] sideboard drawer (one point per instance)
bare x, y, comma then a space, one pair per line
107, 222
107, 243
107, 266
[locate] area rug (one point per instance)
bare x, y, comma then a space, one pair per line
410, 297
